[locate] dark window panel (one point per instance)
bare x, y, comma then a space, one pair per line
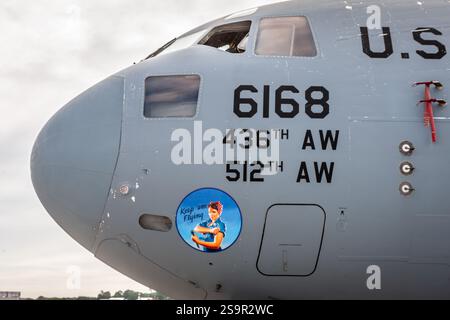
171, 96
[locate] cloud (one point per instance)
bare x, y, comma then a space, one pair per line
52, 51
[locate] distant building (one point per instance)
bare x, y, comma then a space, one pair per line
9, 295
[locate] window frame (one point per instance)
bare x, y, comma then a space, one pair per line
311, 27
251, 29
169, 45
199, 100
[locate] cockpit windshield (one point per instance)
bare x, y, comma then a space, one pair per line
230, 37
178, 44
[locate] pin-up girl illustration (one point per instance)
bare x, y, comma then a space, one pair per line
212, 231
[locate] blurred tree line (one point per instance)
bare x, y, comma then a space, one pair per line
131, 295
125, 295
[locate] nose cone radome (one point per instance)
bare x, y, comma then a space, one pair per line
74, 158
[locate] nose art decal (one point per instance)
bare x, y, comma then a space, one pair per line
209, 220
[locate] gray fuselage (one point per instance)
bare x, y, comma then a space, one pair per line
302, 236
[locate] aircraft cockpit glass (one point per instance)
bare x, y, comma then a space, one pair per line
285, 37
171, 96
178, 44
231, 37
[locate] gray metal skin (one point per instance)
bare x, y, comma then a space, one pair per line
82, 158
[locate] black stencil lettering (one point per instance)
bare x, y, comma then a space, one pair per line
309, 141
280, 101
239, 101
303, 174
329, 139
441, 49
388, 47
324, 170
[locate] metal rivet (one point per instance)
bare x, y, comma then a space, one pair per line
406, 189
406, 148
124, 189
407, 168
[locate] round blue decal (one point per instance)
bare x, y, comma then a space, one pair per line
209, 220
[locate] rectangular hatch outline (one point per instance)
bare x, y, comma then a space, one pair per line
321, 239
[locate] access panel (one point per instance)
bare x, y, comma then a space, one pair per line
292, 240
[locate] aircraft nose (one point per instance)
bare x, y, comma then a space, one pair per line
74, 158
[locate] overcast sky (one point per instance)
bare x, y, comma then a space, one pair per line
52, 50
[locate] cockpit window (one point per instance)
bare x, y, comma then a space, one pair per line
230, 37
171, 96
286, 37
178, 44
